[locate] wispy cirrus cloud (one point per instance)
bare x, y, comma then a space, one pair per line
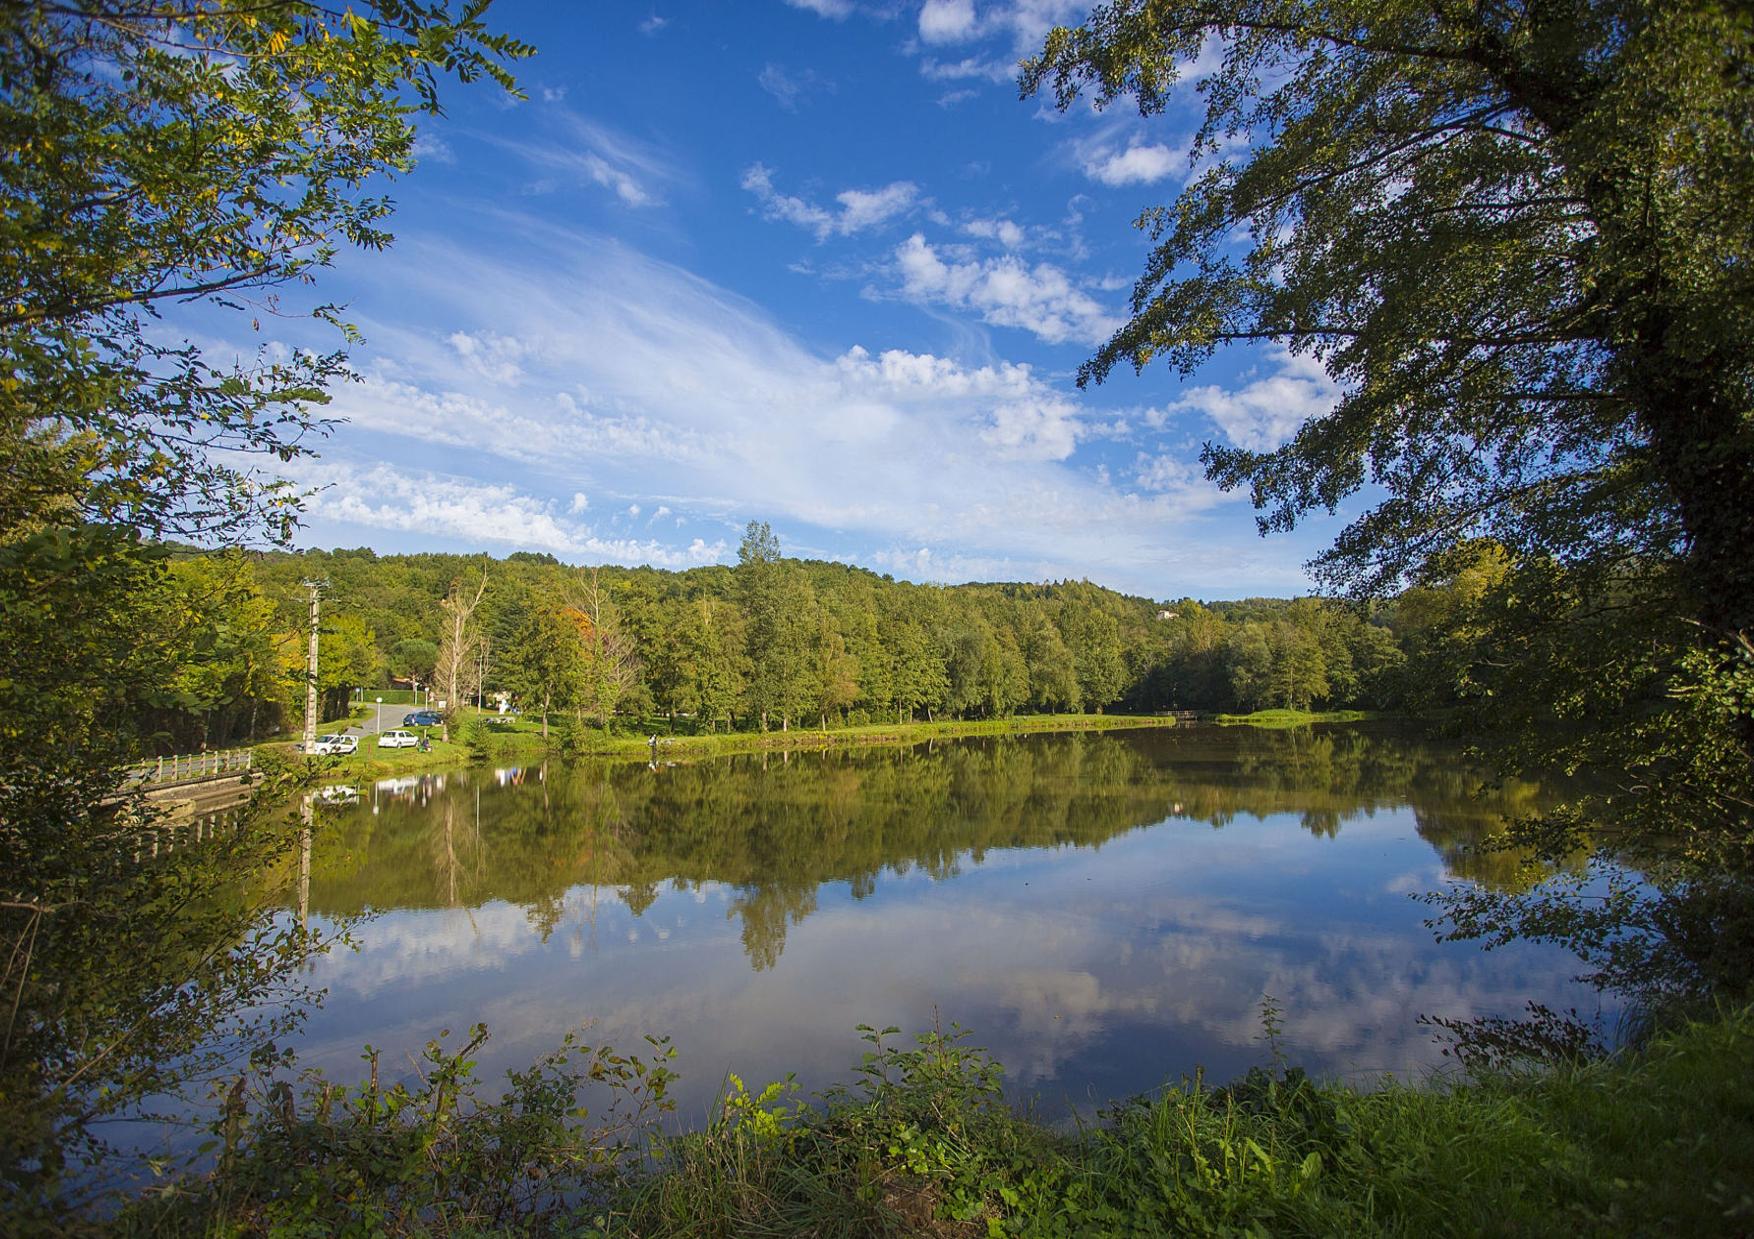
790, 87
638, 173
857, 210
968, 69
639, 383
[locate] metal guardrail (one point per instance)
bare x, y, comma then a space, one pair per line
188, 768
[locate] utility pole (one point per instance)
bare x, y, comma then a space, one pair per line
304, 861
316, 587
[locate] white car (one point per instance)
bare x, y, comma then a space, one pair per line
335, 745
398, 740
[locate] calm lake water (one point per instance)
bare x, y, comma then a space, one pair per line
1105, 911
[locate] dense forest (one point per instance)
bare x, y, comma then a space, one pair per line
770, 643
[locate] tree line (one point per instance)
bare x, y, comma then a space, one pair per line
771, 643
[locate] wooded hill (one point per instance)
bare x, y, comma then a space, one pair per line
772, 642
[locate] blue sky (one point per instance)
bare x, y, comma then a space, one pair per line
812, 263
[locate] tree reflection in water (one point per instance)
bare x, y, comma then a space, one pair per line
777, 830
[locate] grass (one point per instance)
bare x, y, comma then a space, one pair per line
1660, 1142
1290, 718
520, 739
1657, 1141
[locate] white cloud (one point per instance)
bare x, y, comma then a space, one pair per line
634, 171
534, 430
1028, 21
1021, 23
1264, 413
967, 69
859, 208
1039, 429
644, 383
434, 148
1142, 164
606, 174
1040, 299
439, 505
862, 209
908, 375
491, 355
946, 21
789, 88
653, 24
1003, 231
776, 82
834, 10
1164, 472
1023, 418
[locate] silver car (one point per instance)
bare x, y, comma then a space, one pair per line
398, 740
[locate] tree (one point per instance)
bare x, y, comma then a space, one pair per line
720, 674
920, 680
1519, 234
459, 644
777, 603
1053, 674
609, 665
1248, 660
544, 661
412, 659
1299, 675
876, 662
834, 674
346, 659
197, 155
1094, 638
228, 661
1519, 238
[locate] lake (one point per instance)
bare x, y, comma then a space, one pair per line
1106, 911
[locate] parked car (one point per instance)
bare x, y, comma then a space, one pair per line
398, 740
423, 718
336, 745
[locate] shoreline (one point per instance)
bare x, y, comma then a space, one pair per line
524, 740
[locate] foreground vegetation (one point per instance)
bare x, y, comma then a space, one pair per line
1656, 1141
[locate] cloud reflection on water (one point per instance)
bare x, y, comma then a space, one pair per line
1096, 941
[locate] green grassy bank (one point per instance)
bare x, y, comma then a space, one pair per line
1290, 718
1659, 1141
521, 740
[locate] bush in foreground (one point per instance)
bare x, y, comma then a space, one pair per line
1657, 1141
